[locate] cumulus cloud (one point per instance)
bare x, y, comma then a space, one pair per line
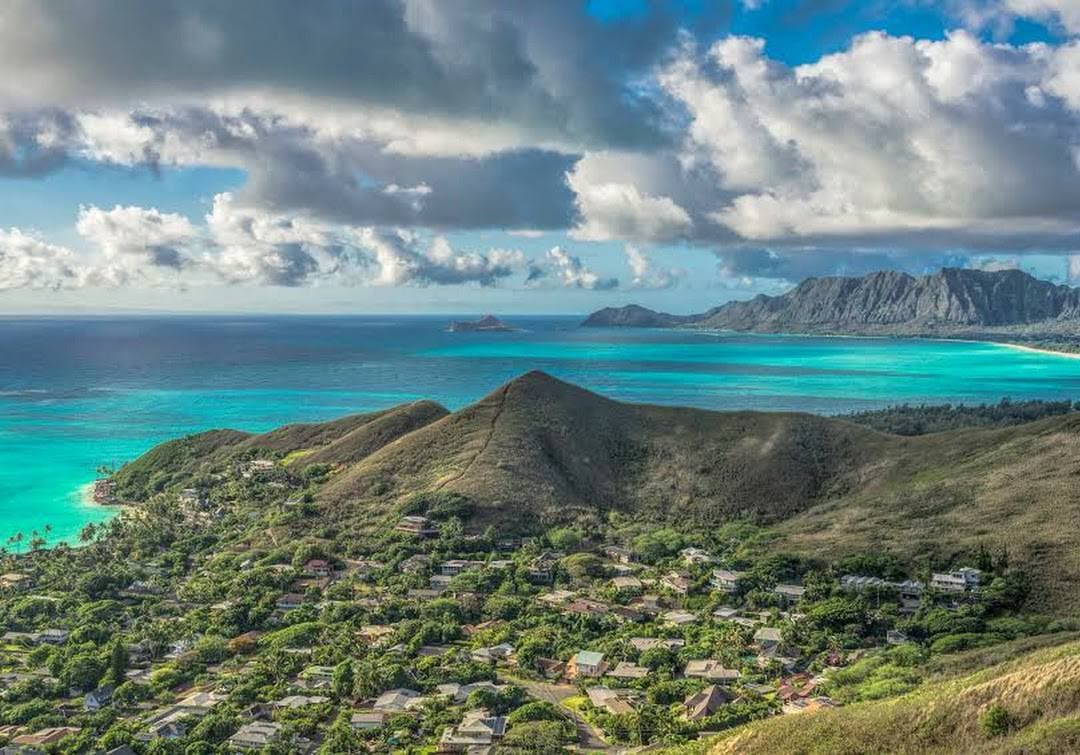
569, 271
646, 274
891, 141
401, 259
29, 262
138, 243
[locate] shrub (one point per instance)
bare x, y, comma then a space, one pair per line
995, 721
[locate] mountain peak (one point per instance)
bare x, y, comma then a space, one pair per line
951, 301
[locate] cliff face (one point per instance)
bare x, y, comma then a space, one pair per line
950, 301
951, 297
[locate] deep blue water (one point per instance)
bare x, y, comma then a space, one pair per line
78, 393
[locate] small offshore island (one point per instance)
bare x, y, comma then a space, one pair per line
487, 323
1007, 306
550, 569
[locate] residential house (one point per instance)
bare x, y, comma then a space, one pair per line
318, 677
317, 567
618, 554
706, 702
961, 580
396, 700
294, 702
615, 701
290, 601
256, 735
651, 643
626, 670
368, 720
375, 634
542, 568
790, 593
679, 618
586, 607
696, 556
439, 582
99, 698
586, 664
726, 580
711, 670
478, 729
767, 638
550, 668
724, 613
677, 582
459, 693
45, 737
54, 636
856, 583
456, 566
414, 564
420, 526
502, 652
649, 604
627, 585
423, 594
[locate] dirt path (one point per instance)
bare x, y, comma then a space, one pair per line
484, 446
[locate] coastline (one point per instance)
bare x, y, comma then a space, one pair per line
1039, 350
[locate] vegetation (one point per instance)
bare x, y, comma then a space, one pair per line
923, 419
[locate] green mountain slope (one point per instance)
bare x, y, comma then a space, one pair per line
538, 452
538, 449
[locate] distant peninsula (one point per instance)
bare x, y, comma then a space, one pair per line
486, 323
1006, 305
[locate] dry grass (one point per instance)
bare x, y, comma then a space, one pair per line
1040, 691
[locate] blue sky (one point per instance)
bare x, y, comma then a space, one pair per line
535, 157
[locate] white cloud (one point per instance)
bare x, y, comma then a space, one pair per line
569, 271
1065, 12
893, 140
402, 259
646, 274
621, 211
28, 262
139, 244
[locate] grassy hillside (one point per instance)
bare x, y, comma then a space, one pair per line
537, 452
538, 448
1029, 704
938, 495
345, 440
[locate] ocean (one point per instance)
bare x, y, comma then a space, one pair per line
79, 393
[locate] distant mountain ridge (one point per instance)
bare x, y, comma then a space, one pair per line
953, 301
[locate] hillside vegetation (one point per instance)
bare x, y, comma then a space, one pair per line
905, 419
538, 452
1029, 704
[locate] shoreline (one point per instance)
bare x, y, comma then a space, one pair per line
1039, 350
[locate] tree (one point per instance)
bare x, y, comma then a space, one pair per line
118, 661
343, 680
82, 671
537, 738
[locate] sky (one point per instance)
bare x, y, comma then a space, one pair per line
540, 156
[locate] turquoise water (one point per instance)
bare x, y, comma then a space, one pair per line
75, 394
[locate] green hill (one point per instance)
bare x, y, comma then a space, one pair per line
538, 452
539, 449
